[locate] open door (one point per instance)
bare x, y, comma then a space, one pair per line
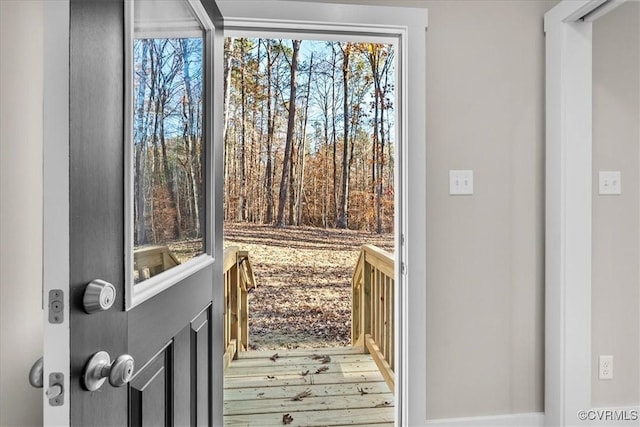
130, 340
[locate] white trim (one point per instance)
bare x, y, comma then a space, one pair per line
342, 31
214, 100
156, 284
135, 294
568, 208
55, 233
406, 27
592, 10
149, 32
534, 419
129, 99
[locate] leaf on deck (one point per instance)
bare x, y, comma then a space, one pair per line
362, 391
322, 369
383, 404
305, 373
271, 377
298, 397
274, 357
287, 419
322, 358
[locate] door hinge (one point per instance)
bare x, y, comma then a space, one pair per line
56, 306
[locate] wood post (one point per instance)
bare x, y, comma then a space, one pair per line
365, 320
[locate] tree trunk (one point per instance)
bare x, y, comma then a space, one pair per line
284, 182
270, 130
190, 137
140, 149
344, 196
302, 149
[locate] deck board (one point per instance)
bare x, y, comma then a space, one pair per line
259, 391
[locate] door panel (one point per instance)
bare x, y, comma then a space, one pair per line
150, 392
170, 335
201, 369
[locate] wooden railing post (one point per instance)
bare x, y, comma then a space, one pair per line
234, 302
365, 320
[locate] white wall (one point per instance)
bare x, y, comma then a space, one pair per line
21, 71
616, 219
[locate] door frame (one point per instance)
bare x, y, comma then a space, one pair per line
568, 358
55, 230
407, 27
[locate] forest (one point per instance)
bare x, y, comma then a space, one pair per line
167, 141
309, 133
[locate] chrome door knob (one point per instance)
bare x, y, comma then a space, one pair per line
36, 373
100, 368
121, 370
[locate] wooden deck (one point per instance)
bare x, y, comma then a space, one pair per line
259, 391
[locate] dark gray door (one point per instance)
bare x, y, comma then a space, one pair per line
171, 335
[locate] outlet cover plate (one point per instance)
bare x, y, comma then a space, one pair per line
605, 368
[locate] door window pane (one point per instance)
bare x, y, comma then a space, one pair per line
168, 153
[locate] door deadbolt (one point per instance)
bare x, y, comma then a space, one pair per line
98, 296
100, 367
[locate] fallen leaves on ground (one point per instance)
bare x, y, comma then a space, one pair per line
287, 419
303, 299
322, 358
322, 369
298, 397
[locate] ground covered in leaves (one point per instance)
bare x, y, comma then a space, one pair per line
303, 299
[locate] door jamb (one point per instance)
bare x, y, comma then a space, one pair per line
55, 233
568, 358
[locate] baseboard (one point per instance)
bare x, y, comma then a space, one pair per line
534, 419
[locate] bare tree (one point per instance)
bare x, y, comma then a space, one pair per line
284, 182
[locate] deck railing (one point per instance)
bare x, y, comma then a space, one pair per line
238, 278
151, 260
372, 324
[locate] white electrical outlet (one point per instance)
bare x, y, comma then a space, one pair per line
609, 183
605, 368
460, 182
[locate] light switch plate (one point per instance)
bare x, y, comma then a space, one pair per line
610, 183
460, 182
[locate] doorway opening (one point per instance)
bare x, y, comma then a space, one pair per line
310, 148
